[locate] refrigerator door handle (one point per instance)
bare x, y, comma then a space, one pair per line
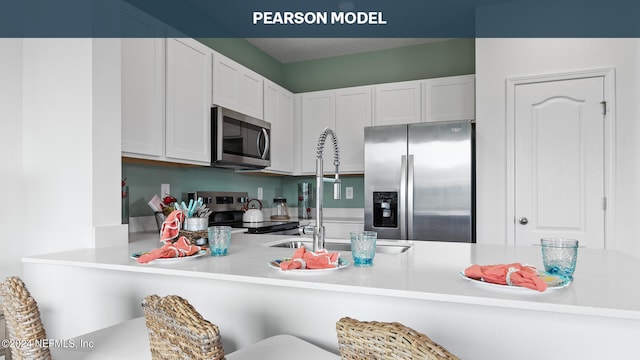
403, 196
409, 198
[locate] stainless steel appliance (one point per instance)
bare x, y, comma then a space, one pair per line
227, 210
239, 141
420, 181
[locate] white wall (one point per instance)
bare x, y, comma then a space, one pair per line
60, 129
11, 235
499, 59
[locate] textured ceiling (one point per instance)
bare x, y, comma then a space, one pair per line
287, 50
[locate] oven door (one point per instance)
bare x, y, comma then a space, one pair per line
239, 141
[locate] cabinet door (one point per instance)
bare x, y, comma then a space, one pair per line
318, 112
353, 113
252, 98
236, 87
278, 110
449, 98
397, 103
188, 133
226, 82
142, 86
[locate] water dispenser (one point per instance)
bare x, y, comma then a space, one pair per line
385, 209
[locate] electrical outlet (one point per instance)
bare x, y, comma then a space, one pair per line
260, 193
348, 193
165, 189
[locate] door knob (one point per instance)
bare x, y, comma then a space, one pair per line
523, 221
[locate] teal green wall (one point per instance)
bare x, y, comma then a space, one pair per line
144, 181
290, 188
436, 59
430, 60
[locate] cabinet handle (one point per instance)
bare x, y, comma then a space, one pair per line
523, 221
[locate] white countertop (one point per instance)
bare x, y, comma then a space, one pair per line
427, 271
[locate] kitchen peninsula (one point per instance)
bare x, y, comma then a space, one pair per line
597, 316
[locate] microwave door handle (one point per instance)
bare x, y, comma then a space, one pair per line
266, 143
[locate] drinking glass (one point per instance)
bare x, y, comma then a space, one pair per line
363, 247
219, 240
559, 256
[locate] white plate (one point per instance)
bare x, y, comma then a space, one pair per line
518, 289
275, 264
135, 256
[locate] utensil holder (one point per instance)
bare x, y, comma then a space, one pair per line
160, 218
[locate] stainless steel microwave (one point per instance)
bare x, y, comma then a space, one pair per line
239, 141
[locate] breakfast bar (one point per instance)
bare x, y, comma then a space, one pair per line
416, 283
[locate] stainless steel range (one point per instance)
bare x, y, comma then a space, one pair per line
227, 210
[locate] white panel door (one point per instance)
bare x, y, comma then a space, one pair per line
188, 132
353, 113
398, 103
559, 161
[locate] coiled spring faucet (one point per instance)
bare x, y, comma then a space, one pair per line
318, 230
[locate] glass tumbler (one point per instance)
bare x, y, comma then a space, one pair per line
363, 247
559, 256
219, 240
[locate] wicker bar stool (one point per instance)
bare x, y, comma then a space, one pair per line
362, 340
22, 317
177, 331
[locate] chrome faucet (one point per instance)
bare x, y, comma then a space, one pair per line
318, 230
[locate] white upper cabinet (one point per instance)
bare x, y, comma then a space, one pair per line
236, 87
318, 112
279, 111
397, 103
449, 98
166, 94
353, 114
143, 66
188, 117
346, 111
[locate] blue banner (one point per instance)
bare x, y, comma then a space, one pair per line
326, 18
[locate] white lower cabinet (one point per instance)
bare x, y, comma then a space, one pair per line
279, 112
340, 229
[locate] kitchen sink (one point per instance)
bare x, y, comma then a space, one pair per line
382, 246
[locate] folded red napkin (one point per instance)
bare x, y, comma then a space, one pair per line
171, 226
180, 248
514, 274
303, 259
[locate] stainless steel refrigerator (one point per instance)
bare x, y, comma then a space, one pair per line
420, 181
